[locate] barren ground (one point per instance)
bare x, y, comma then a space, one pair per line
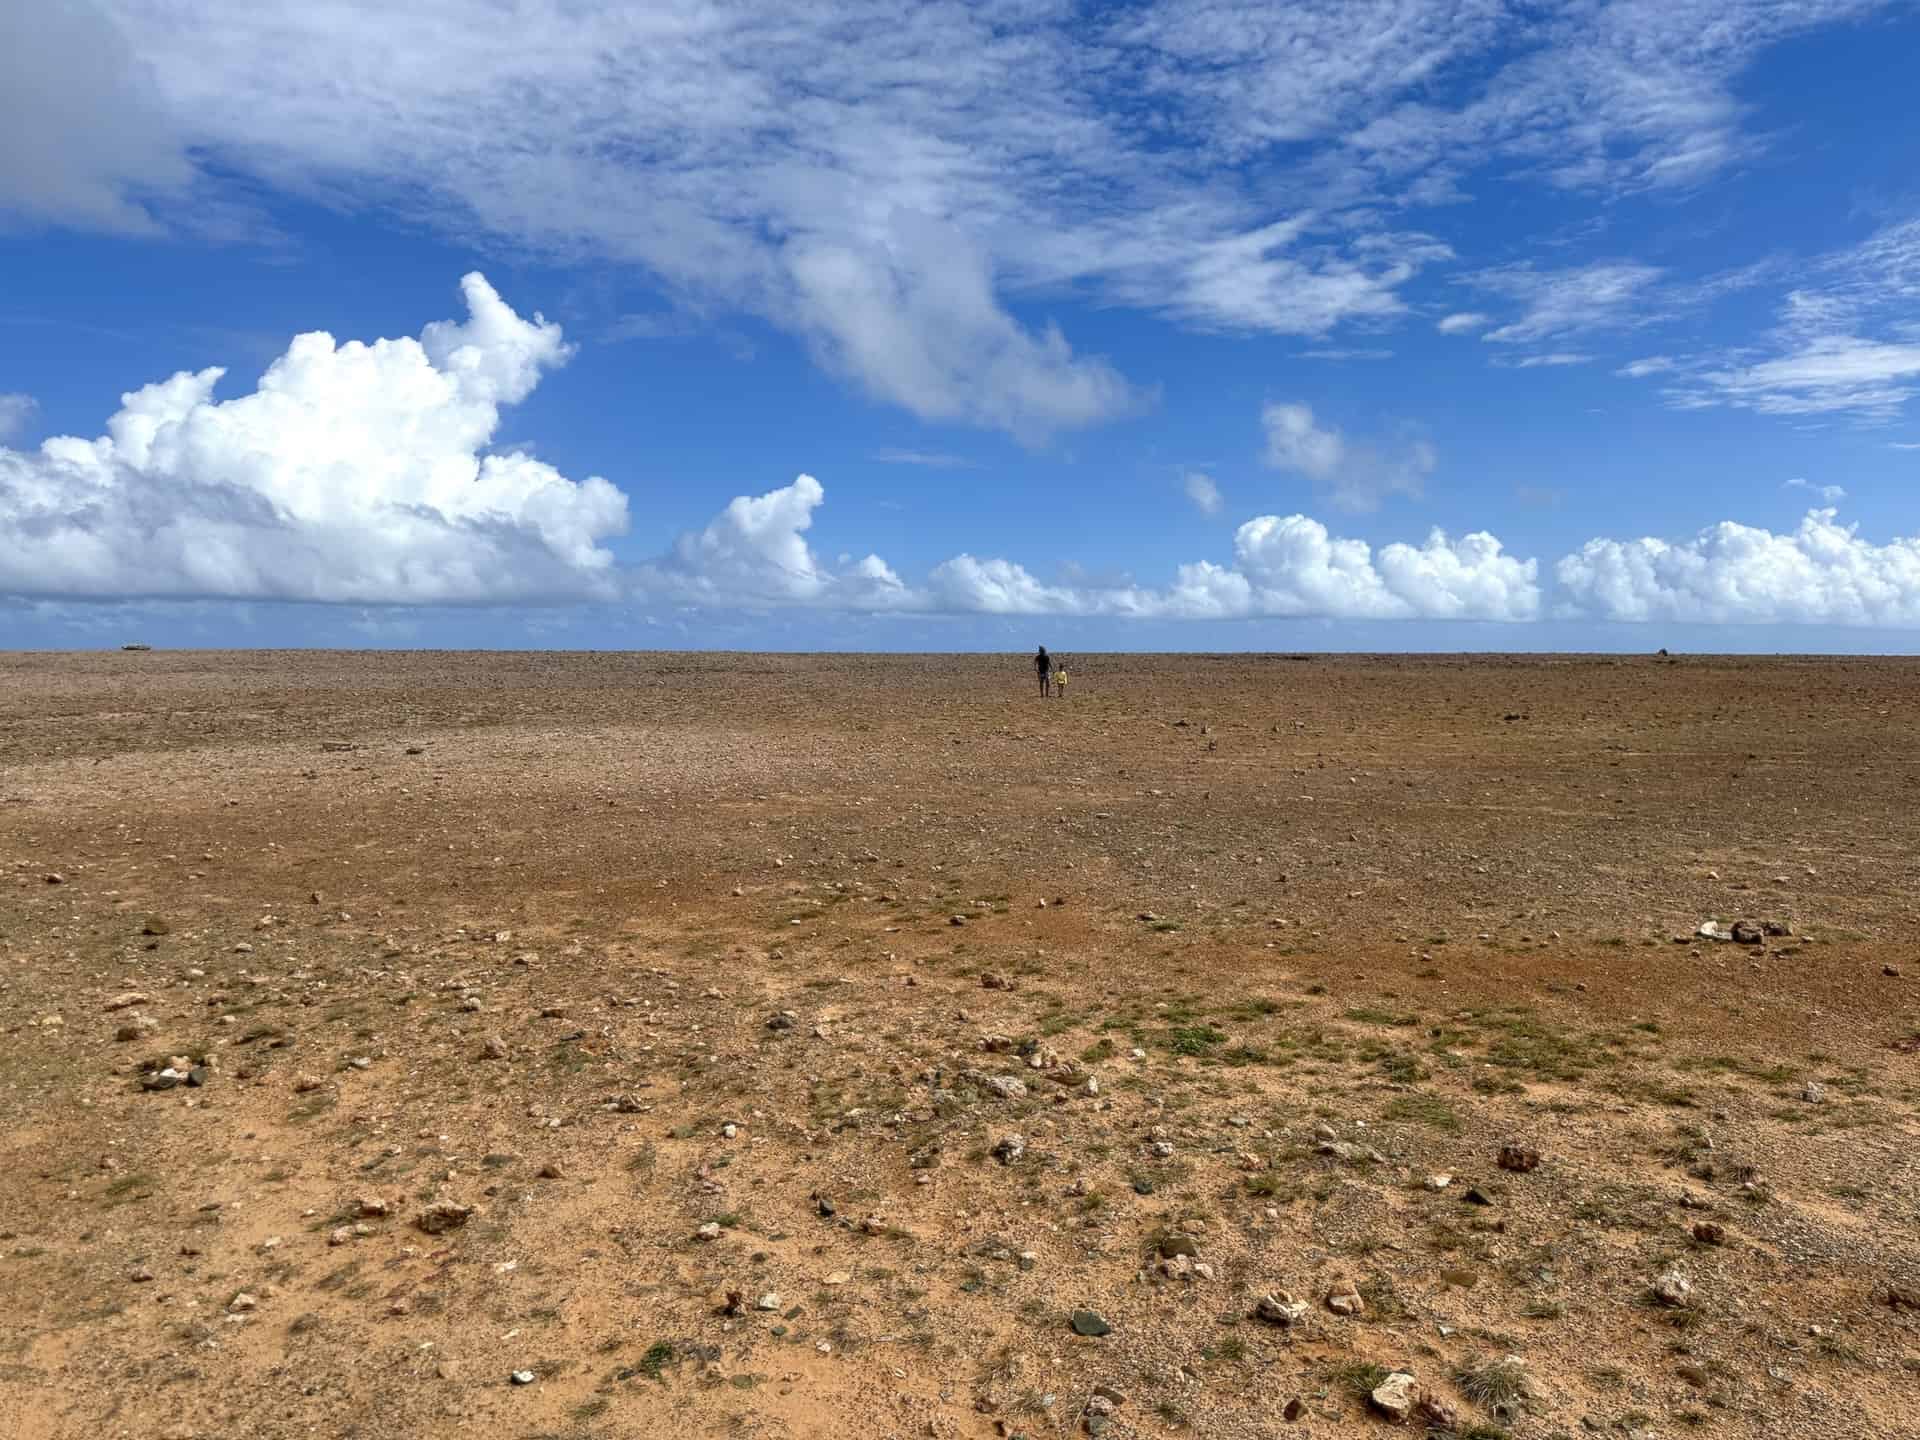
1319, 930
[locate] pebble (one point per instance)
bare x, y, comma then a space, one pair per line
1395, 1396
1280, 1308
1672, 1287
1010, 1149
1344, 1299
522, 1377
444, 1216
1519, 1159
1089, 1322
708, 1232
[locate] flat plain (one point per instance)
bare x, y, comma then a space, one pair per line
597, 1045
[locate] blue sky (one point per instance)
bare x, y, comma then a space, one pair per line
1373, 324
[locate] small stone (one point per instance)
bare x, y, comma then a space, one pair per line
990, 981
781, 1021
1089, 1322
372, 1206
126, 1000
137, 1028
1292, 1410
1172, 1245
1476, 1196
1006, 1087
1672, 1288
1437, 1183
1892, 972
1395, 1396
1519, 1158
242, 1303
307, 1084
494, 1049
340, 1235
552, 1171
708, 1232
443, 1216
1708, 1233
1814, 1093
154, 925
1745, 932
1280, 1308
140, 1275
1344, 1299
522, 1377
1010, 1149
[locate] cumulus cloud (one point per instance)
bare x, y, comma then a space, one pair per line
1822, 573
15, 410
1202, 491
1463, 322
353, 472
1355, 476
755, 553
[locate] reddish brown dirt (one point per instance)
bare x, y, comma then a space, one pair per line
1426, 903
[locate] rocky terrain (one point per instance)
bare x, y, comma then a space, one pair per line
617, 1045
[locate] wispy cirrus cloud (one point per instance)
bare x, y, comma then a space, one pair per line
905, 189
1844, 343
926, 459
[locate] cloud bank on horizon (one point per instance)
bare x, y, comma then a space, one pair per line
360, 472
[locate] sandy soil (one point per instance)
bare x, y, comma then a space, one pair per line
611, 948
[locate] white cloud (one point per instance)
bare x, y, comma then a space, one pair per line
1295, 567
1201, 490
1353, 476
1871, 379
1463, 322
354, 472
1553, 359
1651, 365
1823, 573
900, 186
1903, 444
755, 553
15, 410
1823, 356
927, 459
1829, 493
1603, 295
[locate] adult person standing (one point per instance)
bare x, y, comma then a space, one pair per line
1043, 663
